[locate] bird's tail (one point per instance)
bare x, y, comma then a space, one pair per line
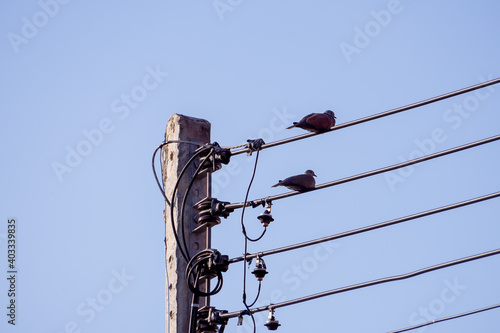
294, 124
276, 185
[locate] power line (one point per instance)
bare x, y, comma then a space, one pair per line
361, 285
375, 116
368, 228
366, 174
447, 318
243, 229
254, 203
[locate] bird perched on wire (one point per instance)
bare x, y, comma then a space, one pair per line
299, 183
316, 122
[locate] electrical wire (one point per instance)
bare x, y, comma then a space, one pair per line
195, 155
377, 116
244, 204
364, 284
256, 297
162, 190
258, 202
243, 229
272, 144
198, 265
205, 147
184, 199
368, 228
448, 318
237, 146
194, 307
355, 122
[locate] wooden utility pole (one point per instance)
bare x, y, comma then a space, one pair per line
175, 156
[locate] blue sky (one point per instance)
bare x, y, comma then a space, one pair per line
87, 89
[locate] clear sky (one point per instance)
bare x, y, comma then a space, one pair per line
87, 88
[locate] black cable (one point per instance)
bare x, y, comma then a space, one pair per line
195, 155
364, 284
256, 297
368, 228
243, 229
194, 307
198, 265
184, 199
244, 205
249, 311
376, 116
257, 202
162, 190
448, 318
153, 162
192, 269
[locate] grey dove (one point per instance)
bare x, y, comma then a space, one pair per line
316, 122
300, 183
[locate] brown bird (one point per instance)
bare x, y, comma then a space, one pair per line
316, 122
300, 183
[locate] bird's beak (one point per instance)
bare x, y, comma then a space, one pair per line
314, 175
